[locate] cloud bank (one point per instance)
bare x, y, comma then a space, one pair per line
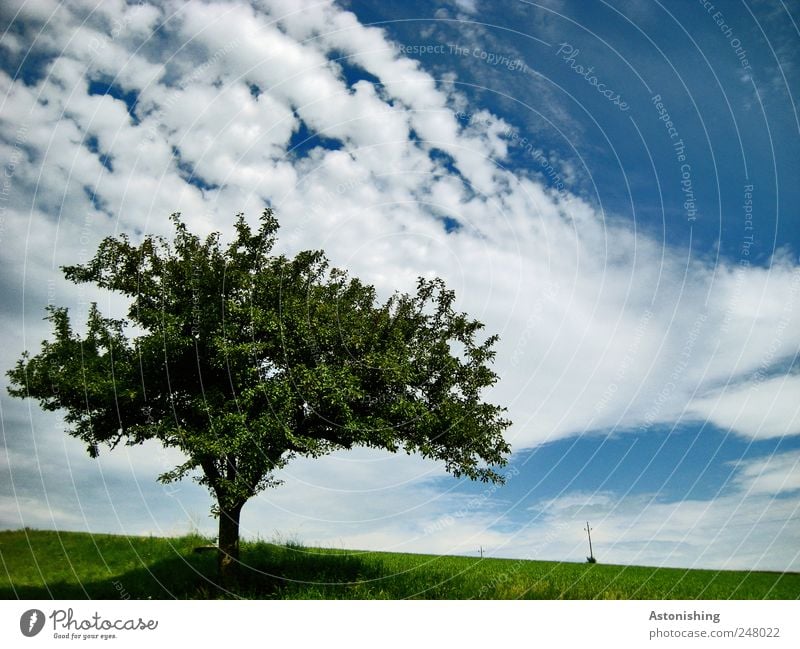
138, 111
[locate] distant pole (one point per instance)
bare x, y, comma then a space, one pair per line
481, 552
589, 532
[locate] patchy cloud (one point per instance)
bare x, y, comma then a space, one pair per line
203, 110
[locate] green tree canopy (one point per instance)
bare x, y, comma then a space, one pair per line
244, 359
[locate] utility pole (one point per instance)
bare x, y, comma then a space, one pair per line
589, 532
481, 552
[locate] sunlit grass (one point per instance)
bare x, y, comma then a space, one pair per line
65, 565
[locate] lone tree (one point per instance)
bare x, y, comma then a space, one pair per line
243, 360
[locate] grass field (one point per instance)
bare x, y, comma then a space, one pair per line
70, 565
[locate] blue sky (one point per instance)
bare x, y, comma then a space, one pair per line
609, 186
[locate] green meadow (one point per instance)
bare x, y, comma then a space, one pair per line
70, 565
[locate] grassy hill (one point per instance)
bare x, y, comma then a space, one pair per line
39, 565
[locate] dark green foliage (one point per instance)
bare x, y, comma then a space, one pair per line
243, 360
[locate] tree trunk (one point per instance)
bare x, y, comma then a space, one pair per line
228, 557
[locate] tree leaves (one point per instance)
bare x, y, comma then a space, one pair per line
248, 359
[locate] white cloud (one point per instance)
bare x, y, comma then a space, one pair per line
40, 11
732, 532
760, 410
749, 526
16, 512
600, 327
775, 474
619, 343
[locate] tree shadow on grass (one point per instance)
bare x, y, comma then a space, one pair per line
266, 571
293, 571
109, 568
176, 577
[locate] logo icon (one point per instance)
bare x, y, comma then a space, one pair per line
31, 622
